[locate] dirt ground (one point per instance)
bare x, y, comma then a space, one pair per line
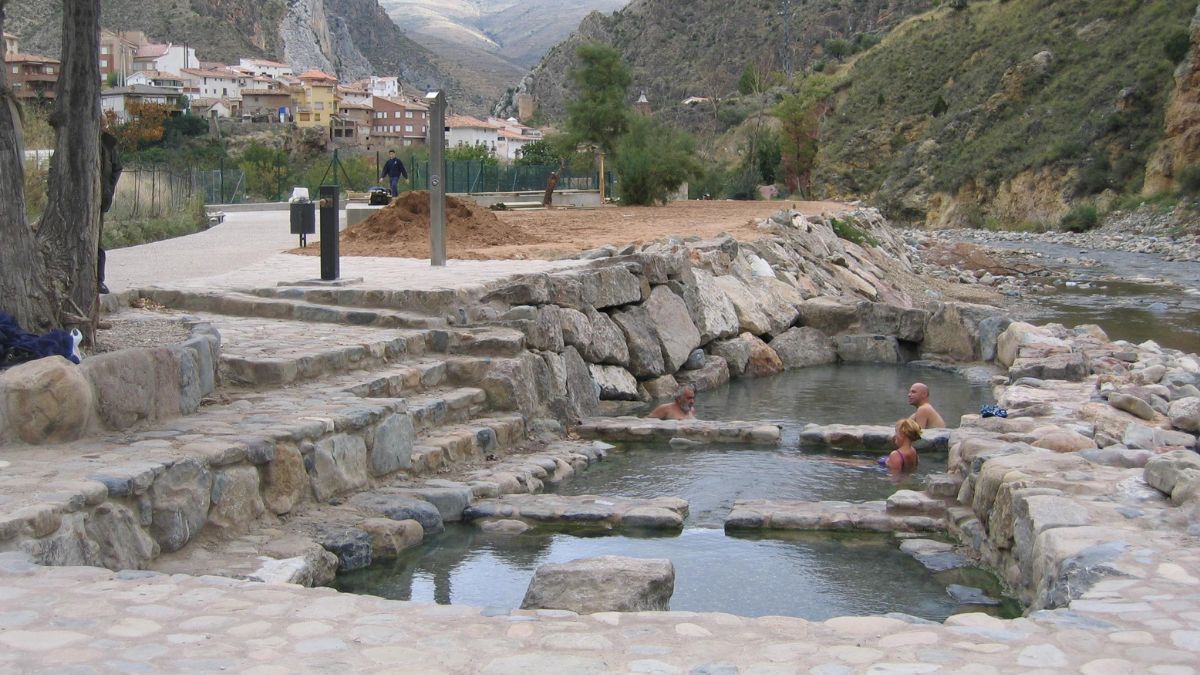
477, 233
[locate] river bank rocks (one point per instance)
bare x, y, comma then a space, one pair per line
703, 311
603, 584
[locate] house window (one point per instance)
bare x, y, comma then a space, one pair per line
103, 63
316, 117
318, 106
407, 141
408, 114
396, 114
408, 128
16, 70
104, 50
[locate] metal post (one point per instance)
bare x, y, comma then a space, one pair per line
329, 233
436, 141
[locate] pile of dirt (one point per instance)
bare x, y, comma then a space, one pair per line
401, 230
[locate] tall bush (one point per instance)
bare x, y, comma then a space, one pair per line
652, 161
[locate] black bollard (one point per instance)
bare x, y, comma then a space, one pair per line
330, 261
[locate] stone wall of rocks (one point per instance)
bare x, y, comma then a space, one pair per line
637, 323
53, 400
1099, 448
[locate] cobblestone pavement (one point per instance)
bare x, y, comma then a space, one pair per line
72, 619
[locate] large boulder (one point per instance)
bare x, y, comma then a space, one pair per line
1131, 404
953, 331
614, 383
1019, 334
751, 317
179, 501
735, 351
1172, 472
804, 347
134, 385
712, 374
779, 301
45, 401
399, 506
285, 481
602, 584
713, 313
645, 348
610, 286
391, 445
1185, 414
607, 341
673, 325
868, 349
763, 360
1150, 438
576, 329
582, 398
339, 465
1061, 440
829, 315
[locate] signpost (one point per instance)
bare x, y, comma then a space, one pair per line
436, 141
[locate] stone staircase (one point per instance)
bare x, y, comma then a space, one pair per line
318, 404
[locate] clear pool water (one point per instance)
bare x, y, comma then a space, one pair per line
811, 575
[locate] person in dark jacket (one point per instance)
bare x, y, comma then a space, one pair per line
110, 173
394, 170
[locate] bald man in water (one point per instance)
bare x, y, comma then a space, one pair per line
926, 415
682, 408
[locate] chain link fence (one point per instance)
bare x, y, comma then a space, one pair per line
145, 192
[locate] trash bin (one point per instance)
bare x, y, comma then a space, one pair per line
304, 218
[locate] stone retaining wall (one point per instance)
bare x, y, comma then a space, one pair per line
52, 400
648, 319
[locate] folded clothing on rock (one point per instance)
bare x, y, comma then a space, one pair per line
18, 345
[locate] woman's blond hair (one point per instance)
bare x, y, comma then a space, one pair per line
909, 429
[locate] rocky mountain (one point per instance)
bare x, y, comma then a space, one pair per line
518, 32
350, 38
701, 48
967, 112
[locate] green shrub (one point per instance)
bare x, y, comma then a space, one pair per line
1080, 219
120, 233
1176, 46
847, 231
1188, 180
652, 161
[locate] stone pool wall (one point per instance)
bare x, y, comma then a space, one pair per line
53, 400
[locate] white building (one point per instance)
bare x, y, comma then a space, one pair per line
271, 69
512, 137
385, 86
213, 83
153, 78
168, 58
467, 130
117, 99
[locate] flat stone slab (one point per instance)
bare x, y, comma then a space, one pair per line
641, 429
660, 513
835, 437
828, 515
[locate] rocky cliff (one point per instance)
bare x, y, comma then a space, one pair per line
349, 38
700, 48
1181, 125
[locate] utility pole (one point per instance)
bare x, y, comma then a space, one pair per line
436, 140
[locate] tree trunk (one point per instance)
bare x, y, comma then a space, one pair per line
70, 228
22, 293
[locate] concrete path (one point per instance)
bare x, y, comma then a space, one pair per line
246, 251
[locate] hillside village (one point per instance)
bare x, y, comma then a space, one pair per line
373, 113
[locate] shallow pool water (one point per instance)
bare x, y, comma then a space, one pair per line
841, 394
815, 576
811, 575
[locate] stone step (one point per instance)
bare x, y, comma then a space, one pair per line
485, 341
396, 381
660, 513
913, 503
465, 443
643, 429
446, 406
232, 303
826, 515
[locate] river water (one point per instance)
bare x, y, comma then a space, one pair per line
1132, 296
811, 575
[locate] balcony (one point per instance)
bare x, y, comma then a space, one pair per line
32, 76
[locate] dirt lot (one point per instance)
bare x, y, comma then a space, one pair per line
565, 231
476, 233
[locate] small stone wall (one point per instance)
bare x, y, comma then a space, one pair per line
52, 400
638, 429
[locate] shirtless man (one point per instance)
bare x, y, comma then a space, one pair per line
926, 415
682, 408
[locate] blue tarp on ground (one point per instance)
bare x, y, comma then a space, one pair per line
18, 345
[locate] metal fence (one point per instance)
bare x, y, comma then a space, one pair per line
155, 191
472, 176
